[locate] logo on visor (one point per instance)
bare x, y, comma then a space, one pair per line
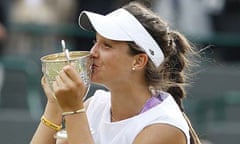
151, 52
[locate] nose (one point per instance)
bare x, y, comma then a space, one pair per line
94, 51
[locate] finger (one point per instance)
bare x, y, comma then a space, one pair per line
59, 82
46, 87
55, 86
43, 80
45, 84
65, 78
71, 72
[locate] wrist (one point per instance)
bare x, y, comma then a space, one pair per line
66, 113
50, 124
73, 108
53, 113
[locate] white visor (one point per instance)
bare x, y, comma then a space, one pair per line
120, 25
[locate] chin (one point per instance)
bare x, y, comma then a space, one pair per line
94, 78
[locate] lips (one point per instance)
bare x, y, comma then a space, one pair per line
93, 67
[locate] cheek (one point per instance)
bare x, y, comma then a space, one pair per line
112, 62
118, 64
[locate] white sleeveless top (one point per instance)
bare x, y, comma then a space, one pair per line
125, 131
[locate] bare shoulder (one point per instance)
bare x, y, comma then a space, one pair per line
160, 134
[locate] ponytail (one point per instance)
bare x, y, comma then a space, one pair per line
183, 49
194, 139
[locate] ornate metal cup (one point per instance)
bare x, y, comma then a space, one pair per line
52, 64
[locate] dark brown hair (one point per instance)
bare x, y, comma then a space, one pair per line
173, 73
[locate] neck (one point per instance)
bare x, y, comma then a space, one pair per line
128, 103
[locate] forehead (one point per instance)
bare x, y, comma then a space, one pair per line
100, 37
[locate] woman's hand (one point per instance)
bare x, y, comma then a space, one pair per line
53, 113
69, 89
48, 91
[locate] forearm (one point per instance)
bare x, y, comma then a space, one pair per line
78, 129
45, 134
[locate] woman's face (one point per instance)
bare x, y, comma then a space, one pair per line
112, 62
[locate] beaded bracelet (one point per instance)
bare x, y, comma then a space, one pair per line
50, 124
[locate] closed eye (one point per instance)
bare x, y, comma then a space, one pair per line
107, 45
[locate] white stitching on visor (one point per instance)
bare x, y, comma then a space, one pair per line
123, 26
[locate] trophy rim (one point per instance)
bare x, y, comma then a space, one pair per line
51, 58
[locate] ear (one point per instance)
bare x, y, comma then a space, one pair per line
140, 61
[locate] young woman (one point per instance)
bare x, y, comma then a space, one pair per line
143, 64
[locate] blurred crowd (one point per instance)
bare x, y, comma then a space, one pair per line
200, 18
21, 14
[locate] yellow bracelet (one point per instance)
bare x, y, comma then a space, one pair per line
73, 112
50, 124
